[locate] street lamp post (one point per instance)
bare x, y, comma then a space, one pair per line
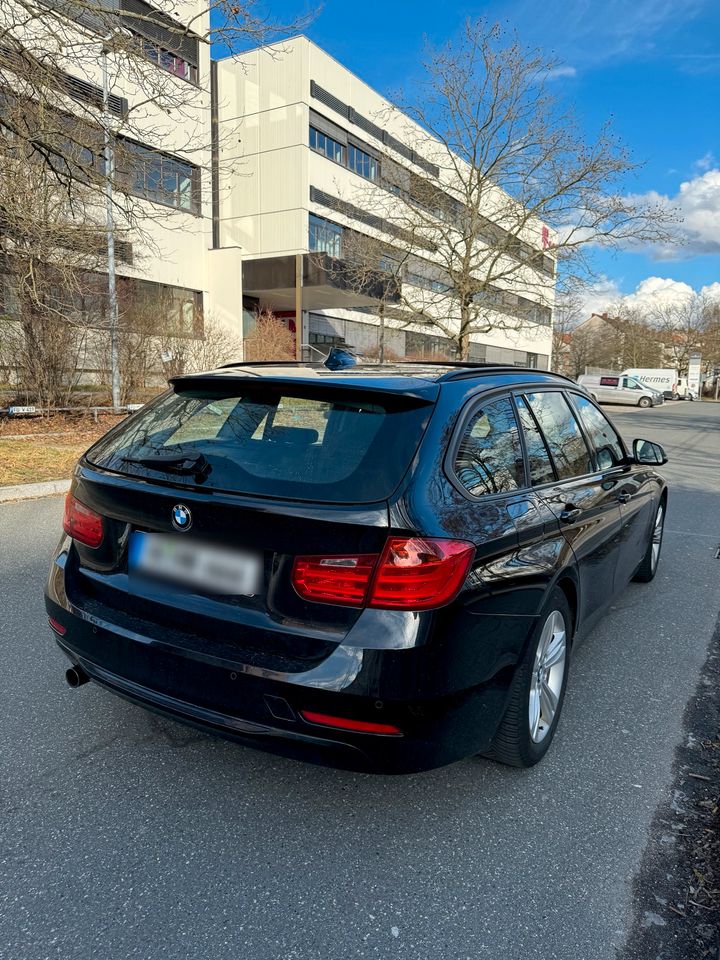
112, 311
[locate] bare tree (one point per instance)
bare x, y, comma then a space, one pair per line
50, 57
41, 357
51, 250
372, 270
507, 189
176, 352
269, 339
684, 327
576, 349
636, 340
569, 314
219, 345
81, 146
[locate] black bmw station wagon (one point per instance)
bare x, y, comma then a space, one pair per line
382, 567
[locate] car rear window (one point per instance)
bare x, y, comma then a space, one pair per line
335, 447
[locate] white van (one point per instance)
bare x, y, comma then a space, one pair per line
618, 388
664, 379
684, 391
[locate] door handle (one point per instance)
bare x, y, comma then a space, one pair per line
623, 497
569, 514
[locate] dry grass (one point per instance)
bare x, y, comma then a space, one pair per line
28, 461
49, 447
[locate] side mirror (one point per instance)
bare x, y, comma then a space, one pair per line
645, 451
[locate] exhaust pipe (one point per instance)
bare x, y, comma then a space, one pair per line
76, 676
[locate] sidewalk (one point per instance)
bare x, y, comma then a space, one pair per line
29, 491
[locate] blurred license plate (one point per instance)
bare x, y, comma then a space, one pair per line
204, 566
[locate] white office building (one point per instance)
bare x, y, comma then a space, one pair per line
304, 149
276, 157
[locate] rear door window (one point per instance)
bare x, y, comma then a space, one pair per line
539, 463
337, 447
489, 456
562, 434
604, 437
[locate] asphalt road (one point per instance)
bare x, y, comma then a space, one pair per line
123, 835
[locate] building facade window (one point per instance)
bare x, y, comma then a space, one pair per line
325, 236
159, 177
168, 60
424, 346
348, 155
322, 143
427, 283
164, 41
175, 311
362, 163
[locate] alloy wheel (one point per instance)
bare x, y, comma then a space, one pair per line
657, 536
547, 676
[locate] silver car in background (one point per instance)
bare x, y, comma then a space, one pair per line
619, 388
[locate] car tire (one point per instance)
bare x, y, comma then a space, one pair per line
649, 564
531, 718
644, 402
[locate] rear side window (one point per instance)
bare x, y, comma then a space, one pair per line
562, 434
489, 457
539, 462
604, 437
335, 447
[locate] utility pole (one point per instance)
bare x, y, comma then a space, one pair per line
298, 306
381, 338
112, 309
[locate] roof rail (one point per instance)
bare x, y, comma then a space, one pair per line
460, 368
470, 370
268, 363
448, 363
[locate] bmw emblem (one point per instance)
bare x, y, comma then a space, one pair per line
181, 517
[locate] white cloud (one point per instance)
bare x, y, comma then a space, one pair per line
651, 294
711, 291
598, 297
659, 292
565, 70
706, 162
697, 203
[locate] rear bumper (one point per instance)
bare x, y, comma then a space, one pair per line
263, 709
285, 742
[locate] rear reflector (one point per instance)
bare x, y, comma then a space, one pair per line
57, 627
416, 573
81, 523
357, 726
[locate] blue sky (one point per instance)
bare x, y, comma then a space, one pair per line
651, 65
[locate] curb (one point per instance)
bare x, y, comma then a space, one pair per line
28, 491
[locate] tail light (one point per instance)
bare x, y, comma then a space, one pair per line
341, 580
81, 523
356, 726
416, 573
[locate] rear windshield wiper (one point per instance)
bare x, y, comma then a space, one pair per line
197, 467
